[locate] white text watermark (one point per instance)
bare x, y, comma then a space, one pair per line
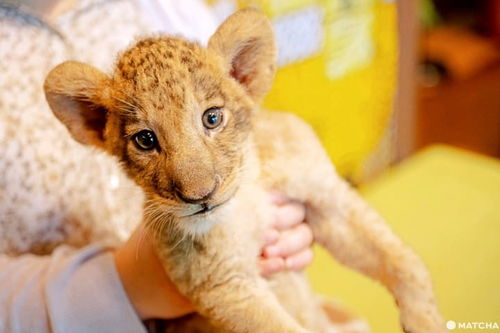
477, 325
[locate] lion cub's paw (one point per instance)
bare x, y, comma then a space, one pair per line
423, 324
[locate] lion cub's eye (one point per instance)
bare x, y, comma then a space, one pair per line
212, 118
145, 140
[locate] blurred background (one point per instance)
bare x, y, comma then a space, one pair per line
381, 80
406, 97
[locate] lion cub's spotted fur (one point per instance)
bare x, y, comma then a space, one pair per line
164, 85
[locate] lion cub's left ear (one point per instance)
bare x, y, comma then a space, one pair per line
246, 42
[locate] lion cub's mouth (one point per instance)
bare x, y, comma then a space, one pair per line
205, 208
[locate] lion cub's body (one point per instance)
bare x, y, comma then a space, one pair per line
205, 184
234, 242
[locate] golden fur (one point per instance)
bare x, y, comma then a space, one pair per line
164, 85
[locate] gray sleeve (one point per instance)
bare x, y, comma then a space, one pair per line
68, 291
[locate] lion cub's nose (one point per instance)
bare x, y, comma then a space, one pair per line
196, 196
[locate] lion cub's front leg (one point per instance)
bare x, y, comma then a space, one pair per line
295, 163
218, 273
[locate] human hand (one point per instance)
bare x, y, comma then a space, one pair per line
286, 245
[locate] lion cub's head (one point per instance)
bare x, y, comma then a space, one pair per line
177, 115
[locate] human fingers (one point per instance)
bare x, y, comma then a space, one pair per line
290, 242
288, 215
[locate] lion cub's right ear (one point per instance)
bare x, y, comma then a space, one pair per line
246, 42
75, 94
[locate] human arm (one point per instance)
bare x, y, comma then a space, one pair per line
68, 291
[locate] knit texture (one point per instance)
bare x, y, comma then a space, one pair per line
52, 189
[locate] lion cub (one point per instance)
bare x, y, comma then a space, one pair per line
185, 124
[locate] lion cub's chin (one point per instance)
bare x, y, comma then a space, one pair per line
197, 224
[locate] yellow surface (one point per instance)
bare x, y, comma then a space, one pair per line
350, 113
446, 204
